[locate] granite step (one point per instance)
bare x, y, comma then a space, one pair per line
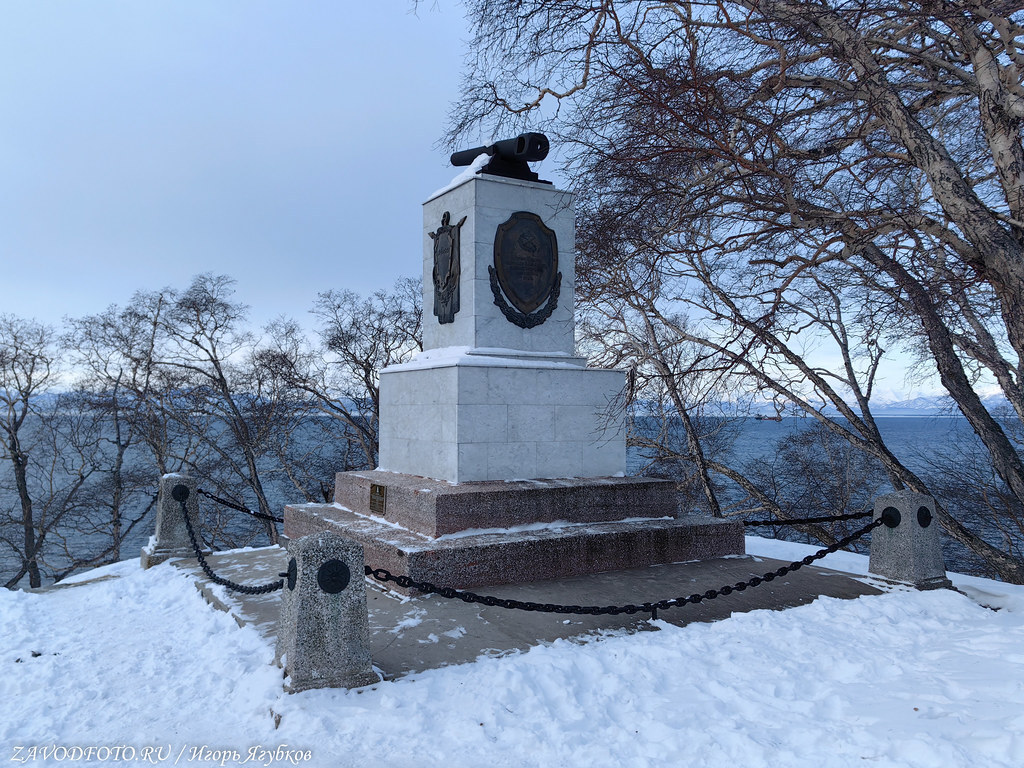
436, 508
526, 553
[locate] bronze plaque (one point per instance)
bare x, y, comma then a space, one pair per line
378, 498
526, 261
447, 266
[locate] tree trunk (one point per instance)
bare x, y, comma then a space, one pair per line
30, 552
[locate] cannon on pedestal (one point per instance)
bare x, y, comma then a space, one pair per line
509, 158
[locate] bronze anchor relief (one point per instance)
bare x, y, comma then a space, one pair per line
447, 268
525, 270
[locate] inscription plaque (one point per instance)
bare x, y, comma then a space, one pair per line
378, 498
525, 270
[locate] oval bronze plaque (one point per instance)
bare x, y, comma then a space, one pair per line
526, 260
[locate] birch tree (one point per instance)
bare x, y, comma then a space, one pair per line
763, 152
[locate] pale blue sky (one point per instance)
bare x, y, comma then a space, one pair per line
288, 144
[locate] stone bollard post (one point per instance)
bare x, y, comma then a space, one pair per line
171, 537
907, 549
323, 636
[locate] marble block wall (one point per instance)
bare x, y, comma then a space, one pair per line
473, 418
487, 202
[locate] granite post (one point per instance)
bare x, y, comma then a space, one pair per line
907, 549
323, 636
171, 537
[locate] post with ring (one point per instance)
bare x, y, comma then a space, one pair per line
323, 636
906, 549
171, 539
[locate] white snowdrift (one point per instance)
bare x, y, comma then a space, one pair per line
903, 679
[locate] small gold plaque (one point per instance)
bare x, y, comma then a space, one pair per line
378, 498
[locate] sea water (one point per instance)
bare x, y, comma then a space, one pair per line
916, 441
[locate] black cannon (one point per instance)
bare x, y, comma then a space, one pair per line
509, 158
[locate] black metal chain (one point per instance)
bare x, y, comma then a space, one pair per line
802, 520
384, 576
406, 582
180, 494
238, 507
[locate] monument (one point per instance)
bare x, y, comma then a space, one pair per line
502, 456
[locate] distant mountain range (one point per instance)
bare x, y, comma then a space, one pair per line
922, 405
917, 406
931, 405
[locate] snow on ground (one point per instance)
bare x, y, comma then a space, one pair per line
902, 679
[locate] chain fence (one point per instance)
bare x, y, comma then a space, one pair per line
238, 507
180, 494
808, 520
384, 576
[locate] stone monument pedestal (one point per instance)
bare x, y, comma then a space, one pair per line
525, 444
499, 532
466, 415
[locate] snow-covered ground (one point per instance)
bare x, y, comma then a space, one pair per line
903, 679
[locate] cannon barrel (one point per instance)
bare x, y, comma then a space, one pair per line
526, 147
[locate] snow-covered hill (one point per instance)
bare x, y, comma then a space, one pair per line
934, 680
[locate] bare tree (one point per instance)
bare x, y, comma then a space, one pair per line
90, 493
865, 157
27, 369
117, 354
358, 336
48, 451
175, 381
222, 403
960, 473
175, 372
671, 390
120, 384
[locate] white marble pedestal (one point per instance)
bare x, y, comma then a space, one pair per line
487, 399
465, 415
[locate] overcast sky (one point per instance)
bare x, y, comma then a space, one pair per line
288, 144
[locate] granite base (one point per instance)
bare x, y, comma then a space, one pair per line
518, 532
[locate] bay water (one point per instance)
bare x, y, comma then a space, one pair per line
915, 440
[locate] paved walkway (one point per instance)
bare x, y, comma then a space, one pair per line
413, 634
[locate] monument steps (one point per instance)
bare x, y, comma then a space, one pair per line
558, 549
436, 507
